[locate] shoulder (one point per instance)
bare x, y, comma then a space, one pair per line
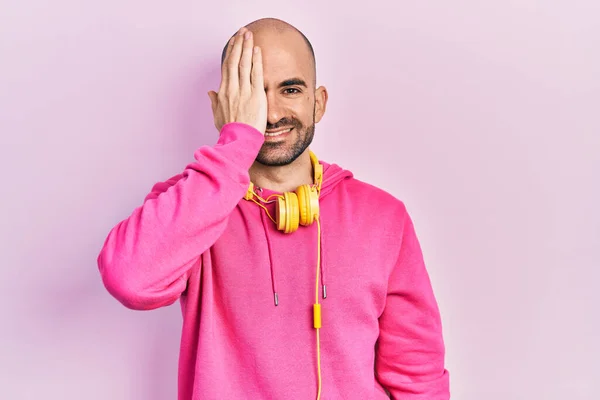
379, 200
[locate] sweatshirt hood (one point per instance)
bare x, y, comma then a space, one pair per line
333, 174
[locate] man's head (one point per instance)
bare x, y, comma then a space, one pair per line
293, 99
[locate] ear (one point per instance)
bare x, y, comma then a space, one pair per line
321, 97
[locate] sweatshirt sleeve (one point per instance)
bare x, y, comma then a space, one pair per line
410, 349
146, 258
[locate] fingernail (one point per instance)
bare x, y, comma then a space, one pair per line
247, 35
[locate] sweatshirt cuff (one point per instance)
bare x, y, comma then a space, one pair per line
243, 143
233, 130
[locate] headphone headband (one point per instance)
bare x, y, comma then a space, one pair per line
317, 170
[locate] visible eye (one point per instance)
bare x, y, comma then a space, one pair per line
291, 91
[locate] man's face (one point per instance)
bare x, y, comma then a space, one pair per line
294, 106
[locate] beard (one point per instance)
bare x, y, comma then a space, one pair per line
279, 154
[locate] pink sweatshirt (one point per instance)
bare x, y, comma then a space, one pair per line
196, 240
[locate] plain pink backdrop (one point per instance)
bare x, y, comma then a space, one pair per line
484, 117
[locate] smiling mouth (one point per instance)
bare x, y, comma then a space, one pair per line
277, 133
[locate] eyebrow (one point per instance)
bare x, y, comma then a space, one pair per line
293, 82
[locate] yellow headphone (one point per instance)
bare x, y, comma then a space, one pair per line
300, 207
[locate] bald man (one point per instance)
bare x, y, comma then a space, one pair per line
295, 280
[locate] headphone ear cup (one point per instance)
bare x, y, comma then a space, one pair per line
287, 212
308, 201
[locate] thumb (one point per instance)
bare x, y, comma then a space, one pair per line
213, 100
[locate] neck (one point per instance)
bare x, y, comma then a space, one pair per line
286, 178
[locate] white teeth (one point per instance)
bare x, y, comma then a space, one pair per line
273, 134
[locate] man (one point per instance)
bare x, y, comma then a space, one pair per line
295, 280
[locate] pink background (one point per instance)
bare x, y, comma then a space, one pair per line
484, 117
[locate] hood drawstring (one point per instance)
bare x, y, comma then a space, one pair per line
265, 224
320, 256
270, 251
321, 260
332, 174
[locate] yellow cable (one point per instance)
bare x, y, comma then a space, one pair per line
266, 210
266, 201
318, 307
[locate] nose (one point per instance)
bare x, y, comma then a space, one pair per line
274, 111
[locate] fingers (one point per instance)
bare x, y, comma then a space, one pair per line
257, 70
233, 62
226, 63
246, 62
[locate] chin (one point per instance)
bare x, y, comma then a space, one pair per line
287, 151
277, 157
